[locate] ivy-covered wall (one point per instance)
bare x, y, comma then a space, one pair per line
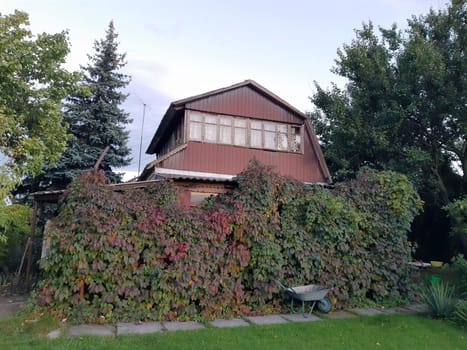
139, 255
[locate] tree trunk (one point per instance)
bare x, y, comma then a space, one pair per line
442, 187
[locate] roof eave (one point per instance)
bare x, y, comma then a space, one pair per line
164, 124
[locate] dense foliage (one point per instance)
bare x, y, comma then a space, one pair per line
457, 213
140, 255
404, 105
95, 119
403, 109
33, 83
15, 226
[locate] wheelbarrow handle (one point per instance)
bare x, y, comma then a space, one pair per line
284, 287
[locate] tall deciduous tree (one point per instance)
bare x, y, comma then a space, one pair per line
404, 107
95, 118
33, 83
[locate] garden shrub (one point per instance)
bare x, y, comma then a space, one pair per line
460, 313
138, 254
457, 213
15, 227
459, 263
440, 298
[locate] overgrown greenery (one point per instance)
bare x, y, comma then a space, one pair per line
140, 255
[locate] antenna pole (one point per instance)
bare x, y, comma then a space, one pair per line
141, 138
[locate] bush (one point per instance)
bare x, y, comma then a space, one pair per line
459, 263
139, 255
460, 313
15, 225
457, 212
440, 299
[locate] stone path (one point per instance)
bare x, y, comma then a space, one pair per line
9, 306
157, 327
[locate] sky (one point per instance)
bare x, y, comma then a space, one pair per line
176, 49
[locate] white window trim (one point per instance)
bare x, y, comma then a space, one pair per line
248, 129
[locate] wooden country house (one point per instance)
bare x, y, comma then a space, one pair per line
204, 141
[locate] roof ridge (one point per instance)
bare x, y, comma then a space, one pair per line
246, 82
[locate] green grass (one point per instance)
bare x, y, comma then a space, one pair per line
381, 332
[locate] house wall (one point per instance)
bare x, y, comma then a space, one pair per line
226, 159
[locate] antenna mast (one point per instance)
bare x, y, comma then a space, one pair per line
141, 138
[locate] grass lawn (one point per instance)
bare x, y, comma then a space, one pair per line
380, 332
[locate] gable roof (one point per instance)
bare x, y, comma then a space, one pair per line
180, 105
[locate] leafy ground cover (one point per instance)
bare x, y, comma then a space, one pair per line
381, 332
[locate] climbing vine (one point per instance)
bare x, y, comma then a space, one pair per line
139, 255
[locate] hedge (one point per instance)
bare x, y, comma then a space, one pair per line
140, 255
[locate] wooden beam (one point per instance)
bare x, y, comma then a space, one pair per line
31, 245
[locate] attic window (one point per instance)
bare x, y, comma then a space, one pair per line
239, 131
296, 139
196, 125
223, 129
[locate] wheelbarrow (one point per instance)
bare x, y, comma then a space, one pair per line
313, 293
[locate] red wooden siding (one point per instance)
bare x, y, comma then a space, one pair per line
225, 159
245, 102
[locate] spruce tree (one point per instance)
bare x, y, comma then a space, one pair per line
95, 119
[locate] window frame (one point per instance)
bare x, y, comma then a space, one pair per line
248, 129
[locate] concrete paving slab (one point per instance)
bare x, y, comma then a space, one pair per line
300, 318
13, 298
182, 326
92, 329
418, 308
139, 328
366, 312
236, 322
263, 320
340, 314
8, 310
396, 310
54, 334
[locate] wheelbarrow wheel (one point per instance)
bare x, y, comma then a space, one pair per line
324, 305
